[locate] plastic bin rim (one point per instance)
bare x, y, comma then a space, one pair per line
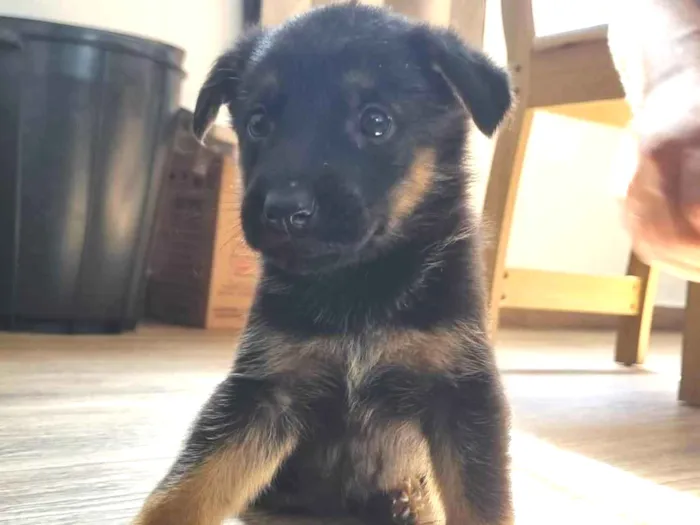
128, 43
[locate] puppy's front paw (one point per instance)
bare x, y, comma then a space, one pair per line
407, 502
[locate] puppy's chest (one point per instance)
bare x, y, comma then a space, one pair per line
369, 371
370, 363
356, 362
360, 365
353, 362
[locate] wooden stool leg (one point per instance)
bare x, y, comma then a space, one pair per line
499, 205
633, 332
690, 368
509, 153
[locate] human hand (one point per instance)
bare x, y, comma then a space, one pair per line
658, 57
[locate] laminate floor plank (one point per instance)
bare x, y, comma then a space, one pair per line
89, 424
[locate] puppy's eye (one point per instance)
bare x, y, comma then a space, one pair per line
375, 123
259, 125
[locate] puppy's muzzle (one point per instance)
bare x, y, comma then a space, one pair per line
290, 210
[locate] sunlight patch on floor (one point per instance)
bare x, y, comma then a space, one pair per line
556, 486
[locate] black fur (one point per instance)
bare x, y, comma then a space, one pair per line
317, 362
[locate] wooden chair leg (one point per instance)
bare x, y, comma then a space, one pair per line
499, 205
509, 153
468, 17
634, 331
690, 368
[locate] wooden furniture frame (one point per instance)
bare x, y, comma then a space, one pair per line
571, 74
690, 366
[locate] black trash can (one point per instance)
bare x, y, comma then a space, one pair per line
86, 118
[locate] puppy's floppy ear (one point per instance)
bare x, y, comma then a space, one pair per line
482, 86
222, 84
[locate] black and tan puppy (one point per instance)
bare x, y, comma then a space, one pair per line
364, 385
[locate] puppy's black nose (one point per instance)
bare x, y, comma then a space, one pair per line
289, 210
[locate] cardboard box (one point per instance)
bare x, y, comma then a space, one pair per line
201, 272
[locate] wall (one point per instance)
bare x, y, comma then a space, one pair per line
566, 216
202, 28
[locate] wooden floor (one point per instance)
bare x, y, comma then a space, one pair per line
89, 424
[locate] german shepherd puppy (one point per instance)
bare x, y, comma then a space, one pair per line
364, 387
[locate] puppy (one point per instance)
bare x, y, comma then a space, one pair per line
364, 386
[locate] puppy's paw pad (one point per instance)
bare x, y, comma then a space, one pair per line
406, 503
401, 511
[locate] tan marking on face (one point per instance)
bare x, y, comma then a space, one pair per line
221, 487
411, 191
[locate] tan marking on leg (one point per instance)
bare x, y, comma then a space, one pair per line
458, 508
221, 487
406, 458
